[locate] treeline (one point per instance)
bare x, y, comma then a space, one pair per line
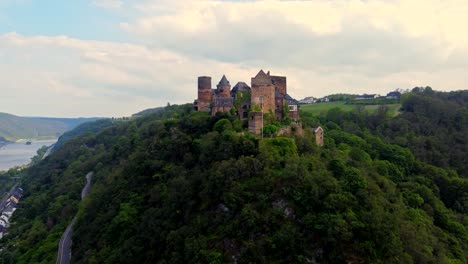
376, 101
183, 187
434, 125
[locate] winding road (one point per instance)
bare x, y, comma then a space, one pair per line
64, 250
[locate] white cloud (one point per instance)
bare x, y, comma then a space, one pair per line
62, 76
322, 47
110, 4
365, 43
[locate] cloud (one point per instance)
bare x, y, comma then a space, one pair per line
62, 76
354, 33
322, 47
110, 4
365, 43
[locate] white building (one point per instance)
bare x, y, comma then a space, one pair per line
308, 100
5, 218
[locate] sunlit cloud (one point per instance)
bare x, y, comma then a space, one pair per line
323, 47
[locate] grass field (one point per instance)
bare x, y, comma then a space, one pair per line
320, 108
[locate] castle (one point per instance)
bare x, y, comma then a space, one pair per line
267, 95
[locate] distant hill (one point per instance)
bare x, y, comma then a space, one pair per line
149, 111
14, 127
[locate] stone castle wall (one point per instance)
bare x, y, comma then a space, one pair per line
264, 96
280, 83
223, 91
268, 94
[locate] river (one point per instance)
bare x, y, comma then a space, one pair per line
17, 154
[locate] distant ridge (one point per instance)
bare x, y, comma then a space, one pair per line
14, 127
149, 111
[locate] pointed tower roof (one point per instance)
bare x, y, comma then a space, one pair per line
224, 81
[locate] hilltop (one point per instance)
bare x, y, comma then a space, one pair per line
178, 186
14, 127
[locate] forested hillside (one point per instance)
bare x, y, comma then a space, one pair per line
14, 127
434, 126
183, 187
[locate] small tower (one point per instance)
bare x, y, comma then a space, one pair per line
318, 133
224, 87
256, 122
204, 94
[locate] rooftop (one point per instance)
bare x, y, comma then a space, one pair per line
224, 81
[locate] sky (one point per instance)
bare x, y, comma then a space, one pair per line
86, 58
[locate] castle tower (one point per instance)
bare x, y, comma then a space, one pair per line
318, 134
224, 87
263, 92
204, 93
256, 122
280, 84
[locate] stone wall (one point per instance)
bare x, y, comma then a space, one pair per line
293, 112
264, 96
216, 109
223, 90
280, 83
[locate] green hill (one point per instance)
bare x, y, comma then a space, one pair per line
14, 127
182, 187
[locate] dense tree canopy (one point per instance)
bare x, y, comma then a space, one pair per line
183, 187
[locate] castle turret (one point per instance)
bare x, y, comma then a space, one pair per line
224, 87
318, 133
256, 122
204, 94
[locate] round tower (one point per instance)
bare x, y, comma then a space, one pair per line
204, 93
